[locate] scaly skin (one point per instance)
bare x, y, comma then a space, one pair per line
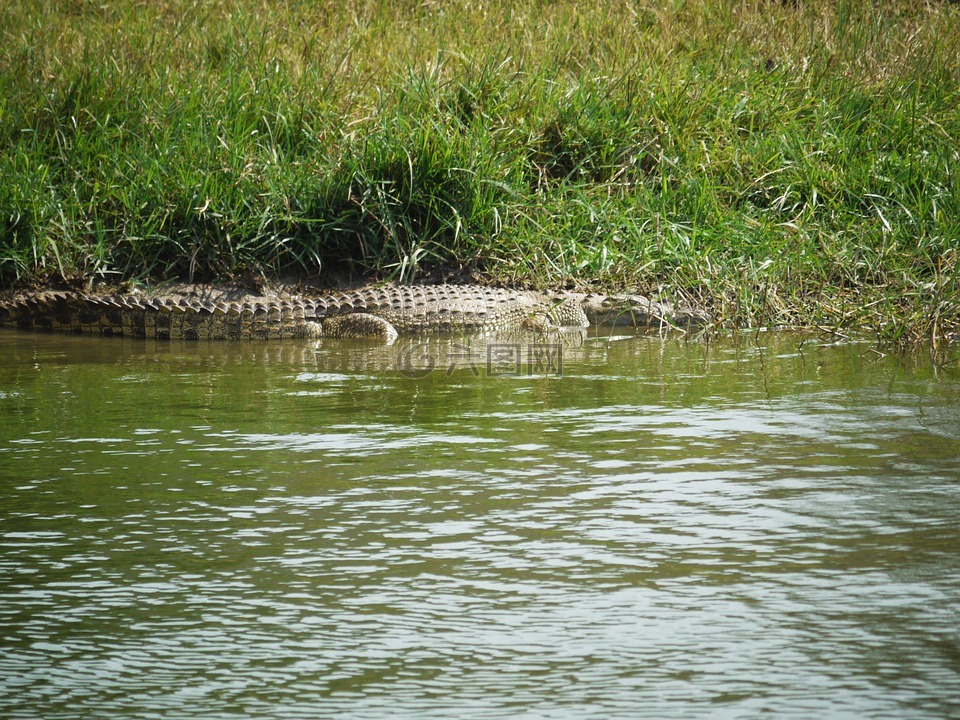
378, 312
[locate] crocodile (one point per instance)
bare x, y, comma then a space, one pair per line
380, 312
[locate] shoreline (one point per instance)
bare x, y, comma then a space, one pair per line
687, 315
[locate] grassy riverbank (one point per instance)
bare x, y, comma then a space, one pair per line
781, 164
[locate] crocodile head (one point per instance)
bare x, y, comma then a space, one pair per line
633, 310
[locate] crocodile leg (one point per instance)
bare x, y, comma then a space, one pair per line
359, 325
562, 314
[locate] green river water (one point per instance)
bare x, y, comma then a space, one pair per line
623, 528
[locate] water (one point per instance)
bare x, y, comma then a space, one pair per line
637, 528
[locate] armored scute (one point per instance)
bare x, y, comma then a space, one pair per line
378, 312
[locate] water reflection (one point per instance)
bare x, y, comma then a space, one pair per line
667, 529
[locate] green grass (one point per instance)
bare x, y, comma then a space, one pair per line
782, 165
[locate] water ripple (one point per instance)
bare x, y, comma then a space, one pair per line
615, 543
